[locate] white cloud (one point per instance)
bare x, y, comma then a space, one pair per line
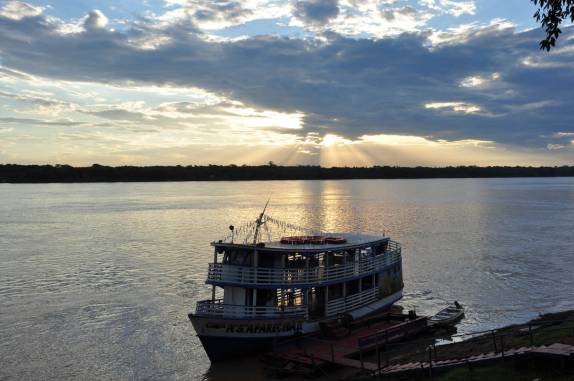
455, 8
215, 15
563, 134
17, 10
466, 108
555, 146
371, 17
95, 20
479, 80
467, 32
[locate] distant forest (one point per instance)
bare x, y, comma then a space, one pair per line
14, 173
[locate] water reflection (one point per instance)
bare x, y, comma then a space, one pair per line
96, 279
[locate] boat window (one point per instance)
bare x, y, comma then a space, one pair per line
338, 259
336, 291
295, 261
237, 257
367, 282
292, 297
352, 287
267, 259
266, 298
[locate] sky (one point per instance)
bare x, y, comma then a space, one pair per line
321, 82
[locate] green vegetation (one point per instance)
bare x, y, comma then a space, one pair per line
551, 14
14, 173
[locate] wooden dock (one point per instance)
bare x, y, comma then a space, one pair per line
341, 350
348, 351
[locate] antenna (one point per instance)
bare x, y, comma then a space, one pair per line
259, 222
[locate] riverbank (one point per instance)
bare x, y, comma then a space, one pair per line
59, 173
543, 331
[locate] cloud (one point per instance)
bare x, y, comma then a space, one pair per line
346, 87
465, 108
455, 8
368, 17
479, 80
17, 10
95, 20
555, 146
316, 11
42, 104
218, 14
41, 122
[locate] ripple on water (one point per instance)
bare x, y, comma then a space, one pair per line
96, 279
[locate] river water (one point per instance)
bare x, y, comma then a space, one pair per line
96, 279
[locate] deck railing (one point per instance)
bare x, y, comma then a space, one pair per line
224, 273
217, 308
351, 302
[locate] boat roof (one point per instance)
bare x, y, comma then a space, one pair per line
354, 240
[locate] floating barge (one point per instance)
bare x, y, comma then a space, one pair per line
272, 281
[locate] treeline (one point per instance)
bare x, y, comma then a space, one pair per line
14, 173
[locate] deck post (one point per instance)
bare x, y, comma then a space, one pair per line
494, 341
326, 301
306, 269
430, 360
213, 287
502, 345
378, 357
530, 334
255, 260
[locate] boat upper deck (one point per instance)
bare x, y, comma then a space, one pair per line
351, 241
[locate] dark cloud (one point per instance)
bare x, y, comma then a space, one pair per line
119, 114
349, 87
316, 11
40, 122
221, 10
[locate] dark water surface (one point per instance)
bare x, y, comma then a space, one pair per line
96, 279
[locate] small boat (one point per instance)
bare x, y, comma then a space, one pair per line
448, 316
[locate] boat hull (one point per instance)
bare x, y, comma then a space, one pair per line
225, 339
232, 338
221, 348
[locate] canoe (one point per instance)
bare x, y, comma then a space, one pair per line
448, 315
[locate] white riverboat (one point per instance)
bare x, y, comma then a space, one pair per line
272, 280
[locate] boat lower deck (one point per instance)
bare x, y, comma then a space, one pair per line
347, 350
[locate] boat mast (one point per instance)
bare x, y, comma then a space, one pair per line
259, 222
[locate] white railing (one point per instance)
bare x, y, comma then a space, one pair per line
351, 302
219, 272
216, 308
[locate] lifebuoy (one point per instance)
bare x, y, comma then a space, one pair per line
313, 240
